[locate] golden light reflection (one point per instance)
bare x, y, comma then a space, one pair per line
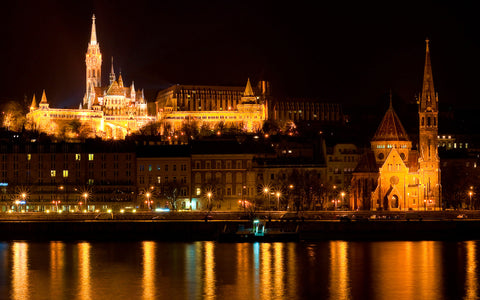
265, 272
243, 267
209, 289
339, 286
148, 282
84, 270
279, 272
57, 253
471, 276
20, 284
292, 271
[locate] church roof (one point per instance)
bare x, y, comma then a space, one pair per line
367, 163
390, 129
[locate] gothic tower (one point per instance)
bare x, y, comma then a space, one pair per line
93, 61
429, 162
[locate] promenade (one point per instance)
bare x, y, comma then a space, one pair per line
193, 226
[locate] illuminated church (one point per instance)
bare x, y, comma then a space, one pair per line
393, 176
112, 111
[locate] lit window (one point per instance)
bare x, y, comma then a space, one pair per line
90, 156
65, 173
150, 168
29, 156
90, 181
53, 173
199, 191
77, 156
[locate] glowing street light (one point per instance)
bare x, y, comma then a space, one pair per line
209, 195
266, 190
470, 194
343, 197
85, 196
149, 203
278, 200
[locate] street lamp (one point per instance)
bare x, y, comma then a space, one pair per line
209, 195
148, 201
470, 194
85, 196
278, 200
24, 196
266, 191
343, 197
425, 204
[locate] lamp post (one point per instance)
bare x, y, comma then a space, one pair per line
85, 196
148, 200
470, 194
24, 196
278, 200
343, 197
266, 191
209, 195
425, 204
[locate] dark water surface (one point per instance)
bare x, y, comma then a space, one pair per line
210, 270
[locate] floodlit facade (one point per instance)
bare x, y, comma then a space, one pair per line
393, 176
110, 112
212, 107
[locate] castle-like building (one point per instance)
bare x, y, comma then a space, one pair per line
213, 106
392, 175
111, 111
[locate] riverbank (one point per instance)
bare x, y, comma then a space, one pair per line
200, 230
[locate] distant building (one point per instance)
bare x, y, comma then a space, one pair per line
110, 112
301, 110
342, 159
393, 176
212, 106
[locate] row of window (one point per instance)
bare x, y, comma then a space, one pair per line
151, 168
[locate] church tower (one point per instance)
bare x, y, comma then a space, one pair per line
93, 61
429, 162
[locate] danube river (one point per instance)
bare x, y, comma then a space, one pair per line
212, 270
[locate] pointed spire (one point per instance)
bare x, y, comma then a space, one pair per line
44, 97
112, 74
34, 103
248, 90
93, 37
120, 80
428, 97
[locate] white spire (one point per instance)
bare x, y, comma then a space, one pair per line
93, 37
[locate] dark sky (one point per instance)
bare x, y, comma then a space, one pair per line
347, 52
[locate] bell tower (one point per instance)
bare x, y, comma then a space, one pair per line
429, 161
93, 62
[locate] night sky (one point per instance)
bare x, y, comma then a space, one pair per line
348, 52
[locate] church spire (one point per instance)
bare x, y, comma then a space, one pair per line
44, 97
93, 36
112, 74
248, 90
428, 97
34, 103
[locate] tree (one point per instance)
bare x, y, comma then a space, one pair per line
13, 116
171, 191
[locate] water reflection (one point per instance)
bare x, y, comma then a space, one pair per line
20, 274
84, 271
209, 270
148, 283
339, 274
471, 280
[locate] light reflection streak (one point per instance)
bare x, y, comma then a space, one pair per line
266, 273
256, 268
292, 271
279, 273
57, 253
339, 273
84, 271
20, 276
148, 282
471, 276
209, 271
243, 267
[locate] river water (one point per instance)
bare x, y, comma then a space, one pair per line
211, 270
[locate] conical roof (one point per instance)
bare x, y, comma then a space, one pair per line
390, 129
